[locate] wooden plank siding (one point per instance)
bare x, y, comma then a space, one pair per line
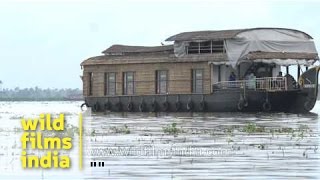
179, 77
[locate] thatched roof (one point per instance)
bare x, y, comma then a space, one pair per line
136, 49
217, 35
152, 58
281, 55
204, 35
123, 54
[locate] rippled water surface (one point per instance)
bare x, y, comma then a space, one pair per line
174, 145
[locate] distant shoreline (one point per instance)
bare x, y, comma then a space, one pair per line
39, 94
69, 95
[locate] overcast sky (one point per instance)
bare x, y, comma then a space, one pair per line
43, 43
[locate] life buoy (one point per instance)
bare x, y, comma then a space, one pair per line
130, 106
165, 105
96, 107
307, 105
154, 106
189, 105
245, 103
178, 105
82, 105
266, 106
142, 107
203, 105
240, 105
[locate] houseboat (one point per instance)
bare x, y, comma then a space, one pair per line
245, 70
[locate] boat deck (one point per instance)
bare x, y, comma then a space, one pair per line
270, 84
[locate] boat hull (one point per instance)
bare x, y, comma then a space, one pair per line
299, 100
219, 101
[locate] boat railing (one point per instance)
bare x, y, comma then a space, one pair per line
266, 83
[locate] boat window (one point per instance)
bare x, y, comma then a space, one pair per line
205, 47
128, 83
197, 81
110, 83
90, 79
161, 82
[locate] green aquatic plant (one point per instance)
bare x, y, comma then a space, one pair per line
286, 130
253, 128
229, 140
121, 130
17, 130
69, 131
301, 135
250, 128
172, 129
16, 117
93, 133
229, 131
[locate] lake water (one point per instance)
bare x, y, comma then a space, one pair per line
172, 145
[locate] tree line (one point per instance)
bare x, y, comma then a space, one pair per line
39, 94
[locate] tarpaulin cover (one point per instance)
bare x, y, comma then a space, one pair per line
264, 40
267, 40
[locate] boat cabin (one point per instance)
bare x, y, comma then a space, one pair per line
202, 62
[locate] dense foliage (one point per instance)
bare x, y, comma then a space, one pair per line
36, 94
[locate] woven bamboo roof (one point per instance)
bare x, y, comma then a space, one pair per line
153, 58
281, 55
205, 35
136, 49
124, 54
217, 35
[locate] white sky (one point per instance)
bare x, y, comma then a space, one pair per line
43, 43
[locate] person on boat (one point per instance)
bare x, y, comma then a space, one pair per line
279, 81
291, 82
232, 78
252, 81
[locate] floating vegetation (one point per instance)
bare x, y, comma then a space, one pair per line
252, 128
299, 132
172, 129
93, 133
229, 140
16, 117
286, 130
69, 131
230, 130
120, 130
17, 129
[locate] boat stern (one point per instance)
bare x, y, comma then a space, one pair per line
308, 84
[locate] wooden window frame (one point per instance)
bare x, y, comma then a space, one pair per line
107, 84
205, 47
194, 88
159, 81
125, 83
90, 83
